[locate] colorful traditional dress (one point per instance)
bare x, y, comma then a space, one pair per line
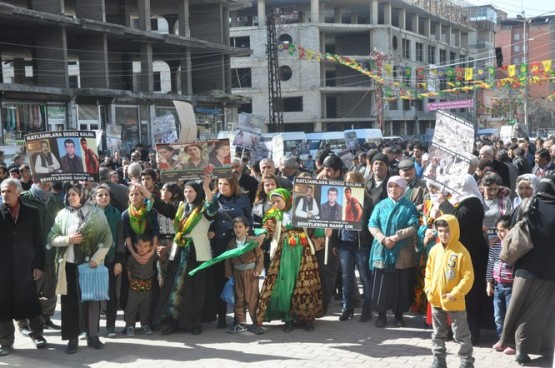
292, 289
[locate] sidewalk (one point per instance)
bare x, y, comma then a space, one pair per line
332, 344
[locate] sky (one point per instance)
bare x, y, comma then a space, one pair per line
513, 7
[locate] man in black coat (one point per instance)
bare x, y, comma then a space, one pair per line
22, 262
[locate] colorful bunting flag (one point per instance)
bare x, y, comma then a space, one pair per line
511, 70
468, 74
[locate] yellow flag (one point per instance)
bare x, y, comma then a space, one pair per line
388, 68
546, 65
511, 70
468, 74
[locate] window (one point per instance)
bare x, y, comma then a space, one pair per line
394, 105
452, 57
241, 78
406, 49
431, 55
516, 37
406, 105
241, 42
292, 104
419, 52
157, 81
442, 56
516, 48
285, 38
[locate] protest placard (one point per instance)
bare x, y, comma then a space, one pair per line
63, 156
334, 204
190, 161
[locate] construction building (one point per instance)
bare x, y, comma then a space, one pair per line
328, 96
83, 64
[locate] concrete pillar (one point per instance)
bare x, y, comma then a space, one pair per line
374, 11
171, 19
174, 68
337, 14
144, 14
1, 79
186, 75
354, 18
147, 78
93, 61
50, 63
183, 13
427, 24
225, 26
315, 11
91, 9
261, 7
48, 6
438, 31
402, 19
387, 13
416, 21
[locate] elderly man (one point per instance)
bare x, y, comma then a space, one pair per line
376, 185
267, 166
486, 152
118, 192
544, 166
247, 183
289, 169
416, 188
21, 264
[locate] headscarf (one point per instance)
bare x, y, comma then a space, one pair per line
469, 189
400, 182
532, 179
197, 187
277, 213
546, 189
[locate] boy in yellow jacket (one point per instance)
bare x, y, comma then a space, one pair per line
449, 277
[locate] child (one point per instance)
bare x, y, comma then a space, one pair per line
449, 277
499, 277
245, 269
140, 287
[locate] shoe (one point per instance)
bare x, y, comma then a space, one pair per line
467, 364
522, 358
288, 326
196, 331
256, 329
146, 330
497, 346
72, 346
130, 331
167, 329
111, 332
309, 326
238, 328
49, 325
40, 342
509, 351
366, 314
222, 322
399, 321
6, 350
95, 343
25, 331
346, 314
439, 363
381, 321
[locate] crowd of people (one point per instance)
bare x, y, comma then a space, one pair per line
421, 250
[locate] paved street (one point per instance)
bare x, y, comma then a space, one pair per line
332, 344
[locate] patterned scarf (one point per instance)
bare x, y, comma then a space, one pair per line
185, 223
275, 212
137, 218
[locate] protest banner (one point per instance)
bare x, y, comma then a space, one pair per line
113, 137
190, 161
163, 129
249, 130
63, 156
334, 204
450, 152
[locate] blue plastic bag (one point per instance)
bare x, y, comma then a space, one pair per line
93, 282
228, 293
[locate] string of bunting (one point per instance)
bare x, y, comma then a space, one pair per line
458, 79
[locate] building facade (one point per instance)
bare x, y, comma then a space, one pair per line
328, 96
82, 64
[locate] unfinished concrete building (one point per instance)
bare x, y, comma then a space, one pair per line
326, 96
82, 64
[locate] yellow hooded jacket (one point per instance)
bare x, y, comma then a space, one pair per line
449, 270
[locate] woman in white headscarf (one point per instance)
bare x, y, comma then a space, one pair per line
393, 223
468, 208
526, 185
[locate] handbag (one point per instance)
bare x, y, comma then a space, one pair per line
228, 293
93, 282
518, 241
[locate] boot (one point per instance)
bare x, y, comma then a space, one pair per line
346, 314
382, 320
439, 363
366, 314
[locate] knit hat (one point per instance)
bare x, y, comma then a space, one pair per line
380, 157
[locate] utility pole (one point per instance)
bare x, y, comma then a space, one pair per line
274, 84
525, 61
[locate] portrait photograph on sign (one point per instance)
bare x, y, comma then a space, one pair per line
327, 204
63, 156
189, 161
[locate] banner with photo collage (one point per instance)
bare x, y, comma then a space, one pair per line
63, 156
334, 204
190, 161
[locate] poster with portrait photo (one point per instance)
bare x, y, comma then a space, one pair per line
190, 161
319, 203
63, 156
249, 130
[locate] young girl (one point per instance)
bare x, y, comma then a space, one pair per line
499, 276
245, 269
292, 289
